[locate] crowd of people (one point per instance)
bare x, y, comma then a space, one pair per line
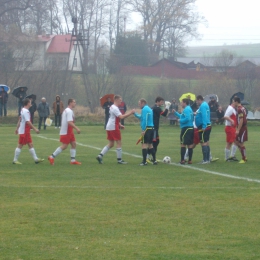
195, 128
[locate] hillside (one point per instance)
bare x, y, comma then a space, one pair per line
245, 50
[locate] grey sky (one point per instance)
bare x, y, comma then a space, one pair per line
229, 22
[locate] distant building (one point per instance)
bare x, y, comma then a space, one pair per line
49, 52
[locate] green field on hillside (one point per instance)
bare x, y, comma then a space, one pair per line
245, 50
113, 211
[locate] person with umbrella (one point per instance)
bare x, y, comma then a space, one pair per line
3, 101
213, 104
21, 96
44, 112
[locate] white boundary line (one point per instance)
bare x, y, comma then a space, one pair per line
175, 164
135, 187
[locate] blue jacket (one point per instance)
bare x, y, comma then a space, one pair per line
202, 118
146, 117
186, 117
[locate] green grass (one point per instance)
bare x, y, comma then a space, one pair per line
113, 211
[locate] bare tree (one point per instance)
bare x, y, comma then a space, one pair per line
223, 60
160, 16
7, 6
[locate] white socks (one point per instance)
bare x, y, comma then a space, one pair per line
227, 153
119, 153
105, 150
233, 150
57, 152
72, 155
16, 154
33, 154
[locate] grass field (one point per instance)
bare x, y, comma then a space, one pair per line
111, 211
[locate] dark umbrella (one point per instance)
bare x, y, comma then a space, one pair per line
238, 94
243, 102
16, 91
6, 88
32, 96
209, 96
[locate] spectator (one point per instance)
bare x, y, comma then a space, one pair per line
32, 109
21, 96
122, 109
220, 116
44, 112
173, 106
107, 106
57, 108
3, 101
213, 104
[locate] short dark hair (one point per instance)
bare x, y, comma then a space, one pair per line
26, 101
158, 99
70, 100
186, 101
199, 97
237, 99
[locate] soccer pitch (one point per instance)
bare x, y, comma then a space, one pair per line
112, 211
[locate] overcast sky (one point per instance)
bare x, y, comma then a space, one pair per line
229, 22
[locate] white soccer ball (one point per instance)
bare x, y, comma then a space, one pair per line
167, 159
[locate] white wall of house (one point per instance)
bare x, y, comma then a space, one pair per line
77, 64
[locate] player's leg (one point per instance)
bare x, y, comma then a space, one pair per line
17, 152
230, 139
65, 140
73, 152
119, 152
144, 153
110, 137
33, 153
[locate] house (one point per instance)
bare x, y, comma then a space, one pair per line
48, 52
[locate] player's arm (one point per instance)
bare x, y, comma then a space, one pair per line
74, 126
127, 114
204, 117
137, 115
241, 121
185, 118
18, 125
33, 127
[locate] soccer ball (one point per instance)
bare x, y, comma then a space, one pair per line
167, 159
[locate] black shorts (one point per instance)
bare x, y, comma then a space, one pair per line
187, 135
204, 135
148, 136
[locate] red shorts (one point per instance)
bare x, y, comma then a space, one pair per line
25, 139
67, 139
230, 134
113, 135
242, 135
196, 137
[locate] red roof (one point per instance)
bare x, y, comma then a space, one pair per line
60, 44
